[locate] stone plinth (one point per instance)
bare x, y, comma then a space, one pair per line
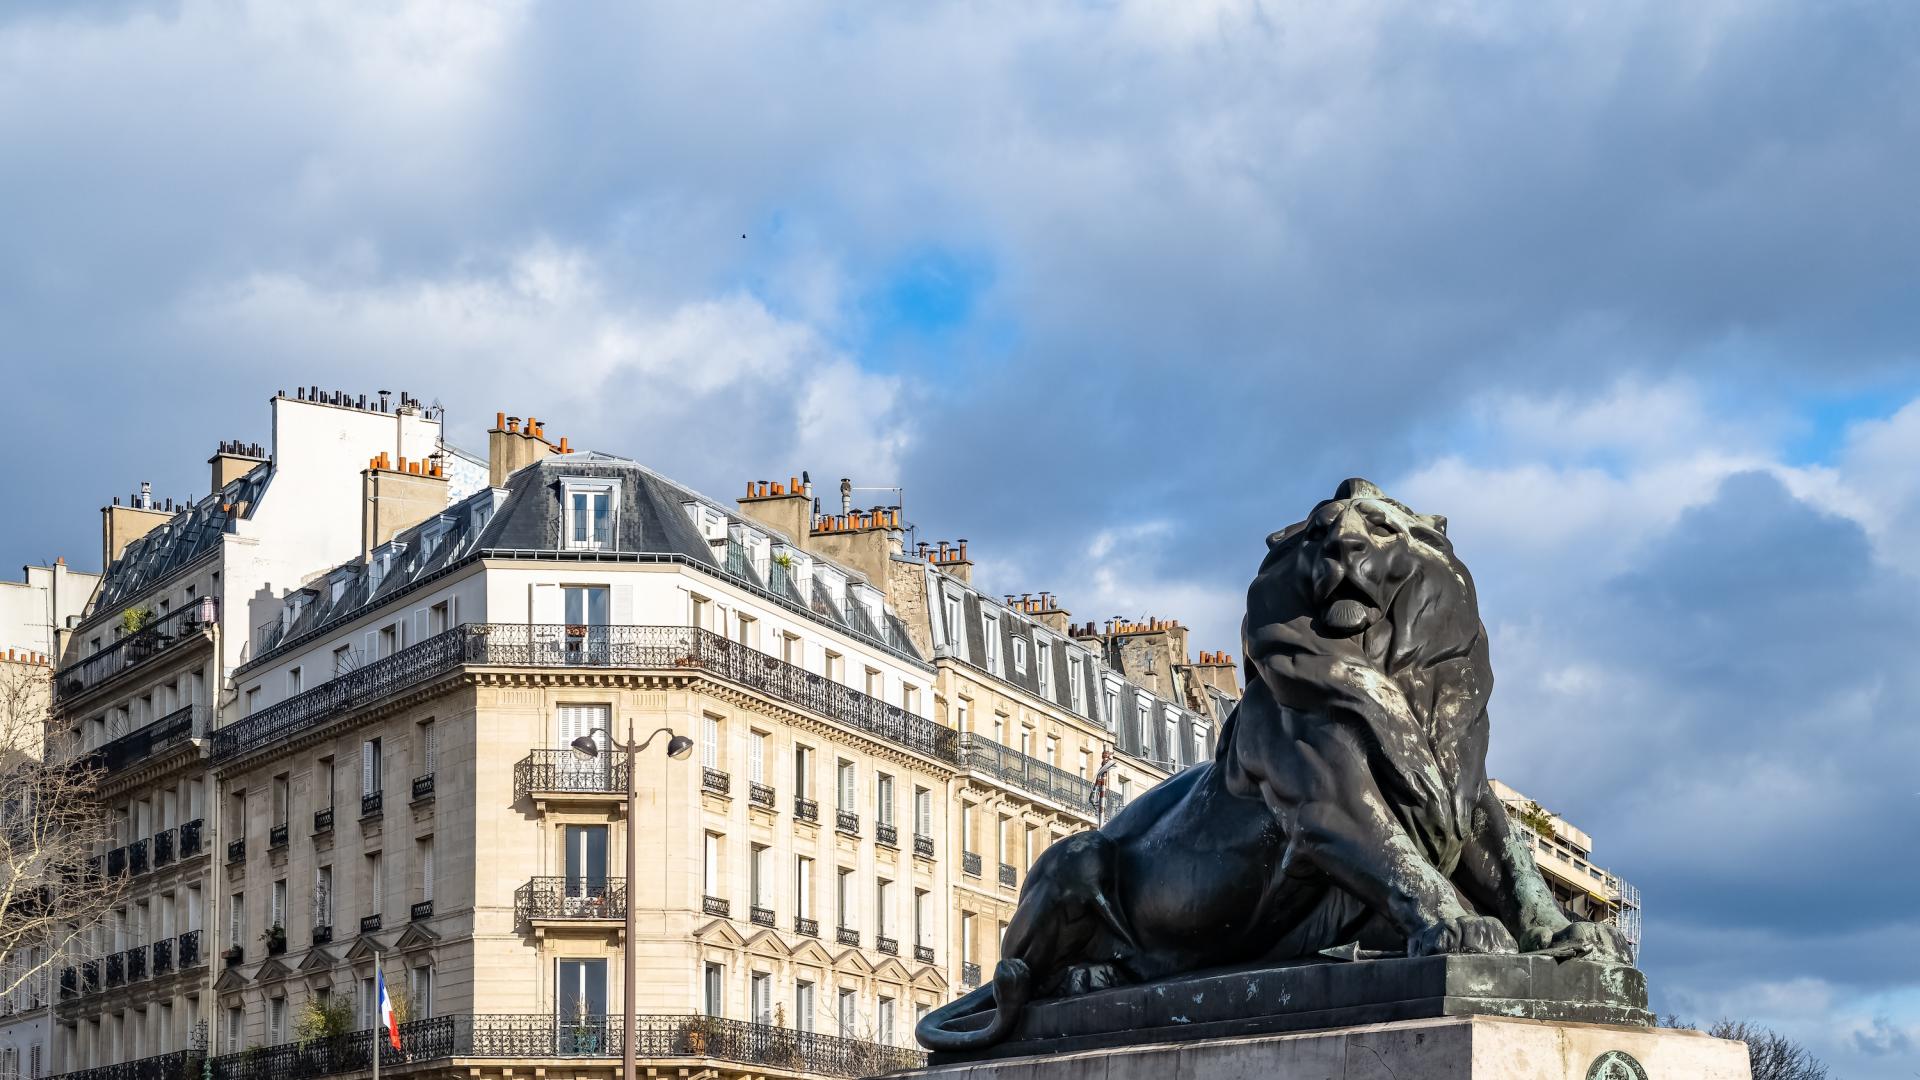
1319, 996
1439, 1048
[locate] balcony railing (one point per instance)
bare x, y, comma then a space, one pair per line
136, 963
163, 843
667, 648
371, 804
923, 953
566, 772
969, 975
419, 911
570, 899
760, 795
189, 950
190, 838
322, 933
90, 976
762, 1048
369, 923
715, 781
886, 834
69, 983
162, 956
715, 906
847, 822
323, 820
137, 648
236, 851
277, 837
846, 935
806, 810
178, 1065
923, 845
177, 728
970, 862
117, 862
1008, 875
761, 916
116, 969
137, 857
887, 945
808, 927
983, 756
423, 787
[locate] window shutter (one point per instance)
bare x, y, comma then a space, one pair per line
620, 605
419, 625
547, 605
235, 924
279, 905
371, 651
367, 786
430, 746
757, 758
710, 742
453, 611
426, 872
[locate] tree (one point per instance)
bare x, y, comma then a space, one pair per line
1771, 1055
52, 891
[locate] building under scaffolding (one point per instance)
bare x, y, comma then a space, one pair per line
1564, 854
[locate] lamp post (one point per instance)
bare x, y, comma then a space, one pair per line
678, 747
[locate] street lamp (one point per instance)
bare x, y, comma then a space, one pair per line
678, 747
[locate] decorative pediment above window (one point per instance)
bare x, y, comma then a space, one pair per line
229, 981
415, 936
272, 971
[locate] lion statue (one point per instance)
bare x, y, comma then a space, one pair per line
1346, 804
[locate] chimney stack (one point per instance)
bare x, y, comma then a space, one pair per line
512, 446
396, 497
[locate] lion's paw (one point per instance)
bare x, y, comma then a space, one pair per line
1086, 978
1599, 941
1463, 934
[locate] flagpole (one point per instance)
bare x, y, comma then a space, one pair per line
380, 993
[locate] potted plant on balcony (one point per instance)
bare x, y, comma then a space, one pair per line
321, 1031
275, 938
701, 1032
233, 955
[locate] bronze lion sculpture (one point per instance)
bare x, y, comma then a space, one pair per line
1346, 803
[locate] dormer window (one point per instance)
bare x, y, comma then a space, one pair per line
1020, 655
990, 630
589, 515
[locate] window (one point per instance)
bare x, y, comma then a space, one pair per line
836, 667
1026, 741
1053, 751
1020, 655
323, 896
920, 917
702, 614
962, 710
802, 772
710, 881
1076, 690
956, 633
369, 1004
845, 775
586, 605
323, 783
440, 617
1110, 703
1170, 740
390, 641
376, 901
423, 858
759, 889
710, 741
746, 630
757, 757
966, 937
586, 860
882, 899
886, 1021
277, 910
253, 700
280, 790
342, 660
991, 633
429, 743
370, 767
236, 1022
295, 682
883, 799
1199, 743
1043, 665
581, 989
276, 1021
848, 1013
589, 516
803, 1006
922, 811
237, 918
420, 993
843, 898
714, 985
760, 998
910, 698
803, 887
790, 648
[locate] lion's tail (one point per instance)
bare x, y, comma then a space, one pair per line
957, 1024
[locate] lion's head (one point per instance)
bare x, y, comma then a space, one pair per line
1366, 569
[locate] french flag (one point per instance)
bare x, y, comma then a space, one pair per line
386, 1009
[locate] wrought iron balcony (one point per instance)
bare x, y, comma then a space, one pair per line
985, 757
369, 923
715, 781
886, 945
136, 963
423, 787
571, 900
137, 857
323, 820
806, 810
236, 851
923, 953
1008, 875
565, 772
371, 804
970, 863
178, 728
163, 845
190, 838
808, 927
69, 983
188, 953
846, 822
846, 935
760, 795
886, 834
178, 1065
162, 956
969, 975
117, 862
662, 648
116, 969
322, 933
277, 837
276, 940
158, 636
923, 845
715, 906
761, 916
419, 911
90, 976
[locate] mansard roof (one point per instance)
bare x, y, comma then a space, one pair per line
181, 539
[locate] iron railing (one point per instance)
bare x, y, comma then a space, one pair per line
923, 845
69, 983
189, 951
421, 910
983, 756
715, 906
423, 787
138, 647
1008, 875
970, 862
163, 847
570, 899
552, 645
179, 1065
887, 945
116, 969
277, 836
760, 794
808, 927
371, 804
163, 956
923, 953
137, 856
136, 963
421, 1040
761, 916
190, 838
322, 934
236, 850
846, 935
323, 820
715, 781
90, 976
370, 923
969, 975
806, 810
177, 728
847, 822
566, 772
496, 1035
886, 834
117, 862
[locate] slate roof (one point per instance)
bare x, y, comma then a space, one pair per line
181, 539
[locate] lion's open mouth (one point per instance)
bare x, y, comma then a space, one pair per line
1349, 609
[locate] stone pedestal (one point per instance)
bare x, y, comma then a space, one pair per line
1439, 1048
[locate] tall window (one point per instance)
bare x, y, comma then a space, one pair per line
710, 741
991, 632
966, 937
323, 896
845, 774
323, 783
586, 861
236, 1024
423, 858
276, 1020
420, 992
922, 812
581, 989
956, 633
803, 887
757, 757
843, 897
885, 1021
710, 875
760, 998
802, 772
759, 888
883, 798
589, 516
586, 605
1043, 664
277, 910
803, 1006
713, 983
376, 885
370, 767
1020, 655
429, 743
882, 900
280, 798
920, 917
848, 1014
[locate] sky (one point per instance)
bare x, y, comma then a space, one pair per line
1626, 290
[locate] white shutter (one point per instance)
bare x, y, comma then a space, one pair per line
547, 607
419, 625
453, 611
710, 742
426, 872
757, 758
371, 651
430, 747
236, 925
367, 767
620, 605
279, 917
846, 786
